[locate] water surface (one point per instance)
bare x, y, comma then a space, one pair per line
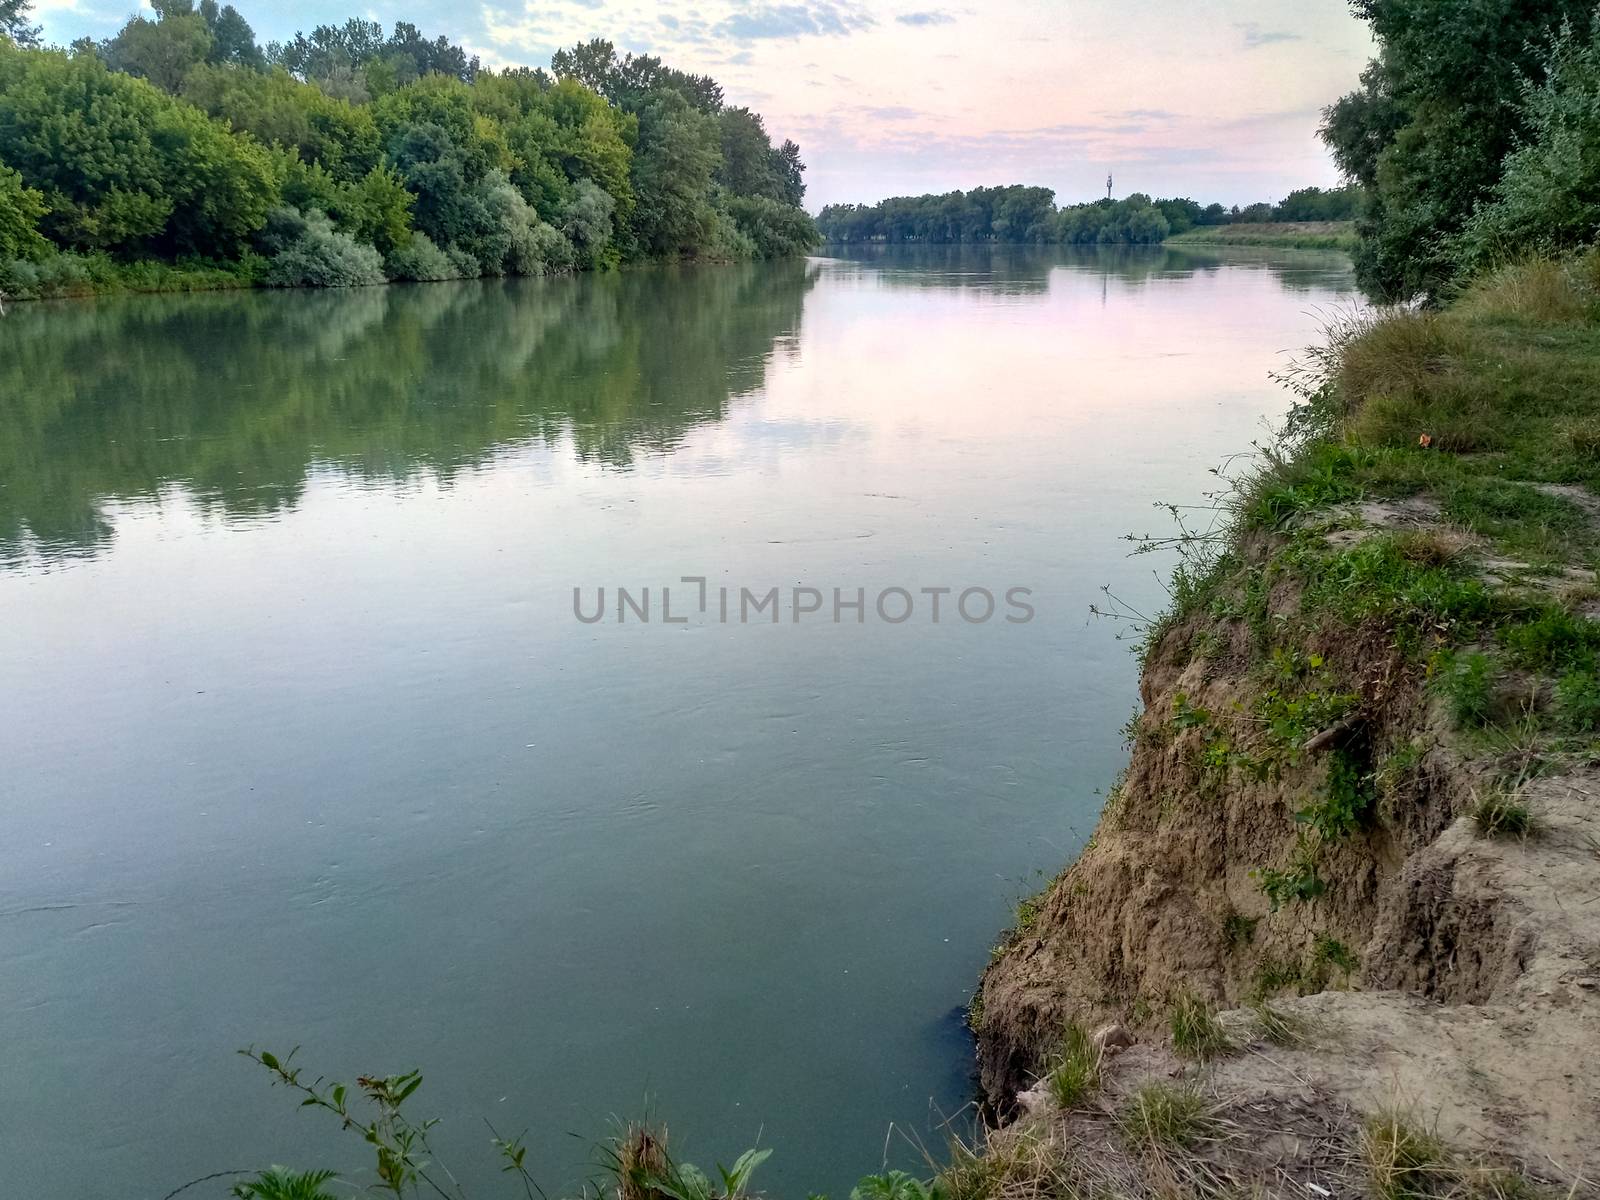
302, 743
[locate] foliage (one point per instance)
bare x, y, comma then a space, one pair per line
178, 136
317, 255
279, 1184
1547, 198
1019, 214
20, 210
896, 1185
1466, 682
1437, 112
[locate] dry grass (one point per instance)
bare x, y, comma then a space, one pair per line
1543, 291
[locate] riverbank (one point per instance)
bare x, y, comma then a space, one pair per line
1294, 235
1335, 930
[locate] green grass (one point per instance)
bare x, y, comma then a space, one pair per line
1161, 1116
1196, 1032
1075, 1070
1298, 235
1405, 1162
1465, 681
1501, 814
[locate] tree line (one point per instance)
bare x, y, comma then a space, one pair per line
182, 150
1019, 214
1473, 139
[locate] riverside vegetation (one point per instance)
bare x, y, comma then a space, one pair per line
1341, 902
180, 154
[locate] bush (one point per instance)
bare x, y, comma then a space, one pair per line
1548, 196
323, 257
20, 210
421, 261
776, 230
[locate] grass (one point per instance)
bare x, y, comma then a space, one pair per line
1196, 1032
1162, 1116
1465, 681
1279, 1027
1404, 1161
1075, 1071
1299, 235
1501, 814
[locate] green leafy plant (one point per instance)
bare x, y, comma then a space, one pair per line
897, 1185
279, 1184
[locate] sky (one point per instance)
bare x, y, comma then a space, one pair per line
1213, 99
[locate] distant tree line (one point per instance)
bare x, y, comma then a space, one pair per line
1474, 138
349, 156
1029, 214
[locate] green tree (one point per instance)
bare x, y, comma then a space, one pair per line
164, 50
1548, 197
14, 23
1433, 119
20, 210
144, 172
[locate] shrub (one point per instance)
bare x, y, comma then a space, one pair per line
421, 261
322, 257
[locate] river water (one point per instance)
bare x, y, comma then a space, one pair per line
302, 742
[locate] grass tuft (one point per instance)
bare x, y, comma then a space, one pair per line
1403, 1161
1162, 1116
1196, 1032
1075, 1071
1501, 814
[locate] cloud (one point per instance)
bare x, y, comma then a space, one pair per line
890, 112
819, 18
1255, 36
932, 16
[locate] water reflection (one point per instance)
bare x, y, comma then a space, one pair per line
237, 398
1026, 270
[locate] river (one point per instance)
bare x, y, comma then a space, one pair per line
303, 742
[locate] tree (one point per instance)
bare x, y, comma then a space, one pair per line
673, 165
1547, 199
164, 50
1435, 116
232, 40
20, 210
14, 23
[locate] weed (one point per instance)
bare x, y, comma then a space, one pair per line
1578, 701
1345, 803
1279, 1027
1501, 814
1298, 881
1404, 1162
1196, 1032
1160, 1116
279, 1184
1465, 681
1331, 951
1075, 1070
1237, 929
896, 1185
